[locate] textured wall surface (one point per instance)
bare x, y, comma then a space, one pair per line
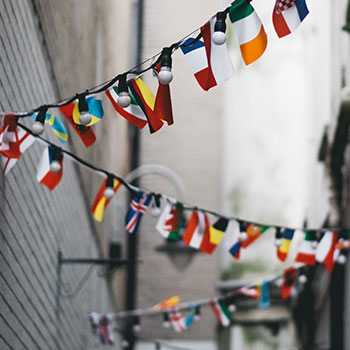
45, 56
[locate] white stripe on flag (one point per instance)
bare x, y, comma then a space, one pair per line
247, 28
220, 61
291, 16
197, 59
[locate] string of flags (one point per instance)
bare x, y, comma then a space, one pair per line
322, 245
207, 54
180, 316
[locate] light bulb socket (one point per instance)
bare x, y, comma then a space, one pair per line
41, 117
122, 86
165, 58
220, 24
82, 104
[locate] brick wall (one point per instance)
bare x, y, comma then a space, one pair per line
47, 52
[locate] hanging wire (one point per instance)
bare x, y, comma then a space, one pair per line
135, 190
110, 82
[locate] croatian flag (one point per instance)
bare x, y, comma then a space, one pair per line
136, 210
44, 175
287, 16
211, 64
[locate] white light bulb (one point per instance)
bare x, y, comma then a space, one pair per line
219, 38
109, 193
123, 99
166, 324
136, 328
232, 308
243, 236
124, 343
197, 317
165, 76
38, 128
278, 242
55, 166
346, 244
341, 259
155, 211
302, 279
85, 118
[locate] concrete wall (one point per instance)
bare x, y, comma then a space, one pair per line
191, 149
50, 50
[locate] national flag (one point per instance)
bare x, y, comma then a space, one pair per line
235, 250
178, 322
217, 230
86, 133
100, 203
44, 175
57, 126
286, 236
289, 276
190, 318
211, 64
221, 312
249, 292
170, 220
146, 100
162, 106
249, 29
307, 253
287, 16
9, 141
167, 303
105, 330
136, 210
253, 232
95, 110
264, 301
197, 234
325, 250
25, 141
133, 114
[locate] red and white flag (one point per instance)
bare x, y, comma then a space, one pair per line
9, 141
178, 322
197, 233
44, 175
326, 248
25, 140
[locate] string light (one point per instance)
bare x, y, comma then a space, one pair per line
219, 36
123, 99
165, 76
39, 124
55, 165
166, 321
136, 326
197, 313
109, 192
155, 210
84, 115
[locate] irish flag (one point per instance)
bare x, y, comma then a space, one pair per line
221, 312
249, 29
307, 254
325, 249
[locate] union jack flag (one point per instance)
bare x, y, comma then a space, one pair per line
136, 210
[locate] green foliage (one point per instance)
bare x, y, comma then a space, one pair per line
237, 270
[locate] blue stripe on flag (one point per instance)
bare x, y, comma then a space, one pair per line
302, 9
186, 49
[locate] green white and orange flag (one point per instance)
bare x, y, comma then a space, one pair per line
101, 202
170, 302
249, 29
221, 312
